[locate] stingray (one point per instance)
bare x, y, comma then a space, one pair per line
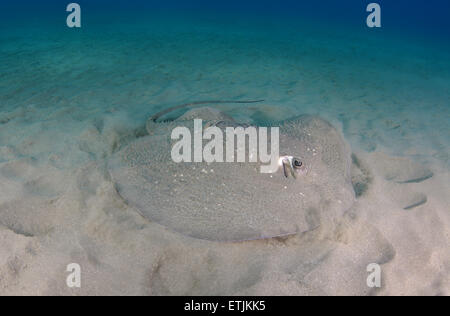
231, 202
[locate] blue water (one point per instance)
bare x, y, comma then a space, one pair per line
388, 88
410, 17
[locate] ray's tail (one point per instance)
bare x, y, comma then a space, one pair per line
155, 117
153, 120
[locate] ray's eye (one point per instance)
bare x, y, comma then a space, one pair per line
297, 163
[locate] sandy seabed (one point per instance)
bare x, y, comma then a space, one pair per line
64, 114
